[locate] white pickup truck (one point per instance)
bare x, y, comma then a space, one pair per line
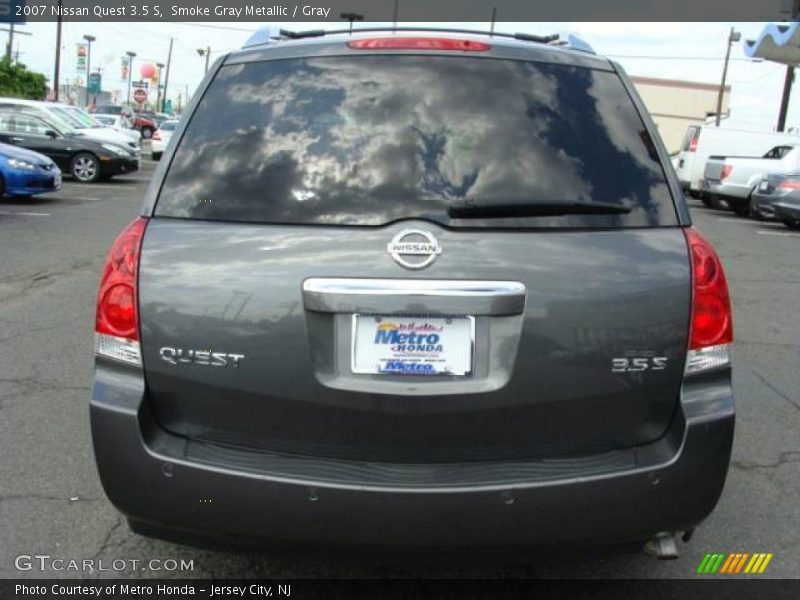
734, 178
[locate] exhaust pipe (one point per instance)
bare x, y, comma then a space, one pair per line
663, 546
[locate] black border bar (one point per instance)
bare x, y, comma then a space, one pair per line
398, 11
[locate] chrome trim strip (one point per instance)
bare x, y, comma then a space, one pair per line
430, 297
412, 287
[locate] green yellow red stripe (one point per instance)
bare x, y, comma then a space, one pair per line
734, 563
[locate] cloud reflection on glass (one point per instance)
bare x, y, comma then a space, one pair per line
368, 140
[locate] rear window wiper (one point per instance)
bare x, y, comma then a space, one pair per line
470, 210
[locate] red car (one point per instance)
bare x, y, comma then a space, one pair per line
142, 124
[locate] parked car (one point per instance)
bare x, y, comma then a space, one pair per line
161, 138
25, 173
83, 120
60, 114
157, 118
143, 125
112, 109
84, 159
734, 178
703, 141
439, 290
777, 196
118, 123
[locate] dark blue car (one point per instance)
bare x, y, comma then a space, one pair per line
24, 172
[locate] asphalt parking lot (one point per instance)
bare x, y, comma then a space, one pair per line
51, 502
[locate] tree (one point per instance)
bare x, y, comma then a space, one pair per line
17, 82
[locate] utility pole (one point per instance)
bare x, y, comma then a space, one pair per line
166, 78
10, 41
131, 56
787, 91
89, 39
205, 52
58, 54
158, 91
734, 36
11, 31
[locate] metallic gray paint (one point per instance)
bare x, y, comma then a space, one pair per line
542, 383
542, 444
157, 479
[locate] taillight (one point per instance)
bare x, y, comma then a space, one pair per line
789, 184
418, 43
116, 329
711, 329
693, 143
725, 172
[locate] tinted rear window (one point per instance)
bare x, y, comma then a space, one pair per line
368, 140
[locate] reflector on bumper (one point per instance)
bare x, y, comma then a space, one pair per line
710, 357
117, 348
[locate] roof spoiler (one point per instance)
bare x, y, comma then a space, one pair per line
260, 37
573, 41
565, 39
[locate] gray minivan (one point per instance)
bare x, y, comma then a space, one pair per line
414, 288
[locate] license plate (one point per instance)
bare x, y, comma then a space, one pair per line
388, 345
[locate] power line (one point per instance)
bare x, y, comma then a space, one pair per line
209, 26
663, 57
770, 73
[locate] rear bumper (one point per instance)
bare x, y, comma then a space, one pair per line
185, 489
786, 212
118, 166
725, 190
763, 205
25, 183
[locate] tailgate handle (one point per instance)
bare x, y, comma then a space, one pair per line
413, 296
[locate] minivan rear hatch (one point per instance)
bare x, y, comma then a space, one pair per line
415, 258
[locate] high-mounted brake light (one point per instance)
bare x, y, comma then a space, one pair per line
789, 184
711, 330
117, 322
695, 139
419, 43
726, 172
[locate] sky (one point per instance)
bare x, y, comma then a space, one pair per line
688, 51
